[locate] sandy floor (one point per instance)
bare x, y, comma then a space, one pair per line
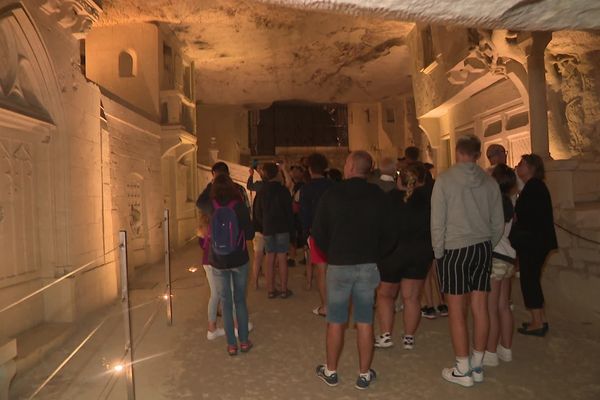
289, 343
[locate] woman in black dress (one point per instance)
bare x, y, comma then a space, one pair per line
406, 268
533, 237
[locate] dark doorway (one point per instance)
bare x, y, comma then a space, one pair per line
297, 124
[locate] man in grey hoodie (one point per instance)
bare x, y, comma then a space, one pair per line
467, 222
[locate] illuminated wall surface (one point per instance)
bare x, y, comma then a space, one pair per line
105, 114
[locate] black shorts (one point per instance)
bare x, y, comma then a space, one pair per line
411, 261
467, 269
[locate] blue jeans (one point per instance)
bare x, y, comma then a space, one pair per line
226, 280
356, 282
213, 300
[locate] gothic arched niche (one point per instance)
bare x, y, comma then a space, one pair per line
30, 117
21, 88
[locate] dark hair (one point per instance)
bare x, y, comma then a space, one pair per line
505, 176
418, 170
412, 153
469, 145
317, 163
335, 175
270, 170
220, 168
223, 189
534, 161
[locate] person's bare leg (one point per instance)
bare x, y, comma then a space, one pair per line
411, 294
309, 275
257, 267
334, 344
537, 320
493, 310
283, 270
386, 292
457, 318
322, 283
481, 320
506, 315
364, 340
270, 261
429, 288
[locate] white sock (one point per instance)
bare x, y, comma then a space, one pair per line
476, 359
367, 375
328, 372
462, 363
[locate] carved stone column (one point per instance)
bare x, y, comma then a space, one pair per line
538, 107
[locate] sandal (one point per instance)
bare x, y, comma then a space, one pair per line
273, 294
286, 294
232, 350
541, 332
317, 311
245, 347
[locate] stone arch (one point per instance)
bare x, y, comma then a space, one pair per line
32, 126
127, 64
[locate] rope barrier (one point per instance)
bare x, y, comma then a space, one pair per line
576, 234
108, 388
62, 278
66, 360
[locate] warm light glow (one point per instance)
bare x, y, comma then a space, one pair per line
118, 368
193, 269
165, 296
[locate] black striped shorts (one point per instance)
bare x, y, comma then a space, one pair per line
466, 269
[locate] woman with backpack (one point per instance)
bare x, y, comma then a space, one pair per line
230, 228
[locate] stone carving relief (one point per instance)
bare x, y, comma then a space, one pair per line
74, 15
134, 204
489, 51
18, 83
568, 88
18, 244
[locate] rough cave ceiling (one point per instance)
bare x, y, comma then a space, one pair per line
253, 52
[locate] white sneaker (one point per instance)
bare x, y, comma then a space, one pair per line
477, 374
455, 376
408, 342
215, 334
490, 359
504, 354
384, 341
250, 327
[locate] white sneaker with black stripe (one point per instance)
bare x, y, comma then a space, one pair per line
384, 341
408, 342
455, 376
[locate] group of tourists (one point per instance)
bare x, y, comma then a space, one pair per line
382, 235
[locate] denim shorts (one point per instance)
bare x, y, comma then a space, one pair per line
277, 243
351, 282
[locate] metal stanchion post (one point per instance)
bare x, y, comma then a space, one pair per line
169, 298
125, 306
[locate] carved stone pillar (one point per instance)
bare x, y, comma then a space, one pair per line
538, 107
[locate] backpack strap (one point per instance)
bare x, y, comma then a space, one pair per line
215, 204
232, 203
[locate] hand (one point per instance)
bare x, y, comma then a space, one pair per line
251, 171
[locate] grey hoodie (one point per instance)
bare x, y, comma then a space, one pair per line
466, 209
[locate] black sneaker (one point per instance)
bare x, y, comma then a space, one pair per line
428, 312
331, 380
363, 383
442, 310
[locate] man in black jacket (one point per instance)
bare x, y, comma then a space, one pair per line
351, 227
274, 214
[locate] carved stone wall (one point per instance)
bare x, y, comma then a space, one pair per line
573, 75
